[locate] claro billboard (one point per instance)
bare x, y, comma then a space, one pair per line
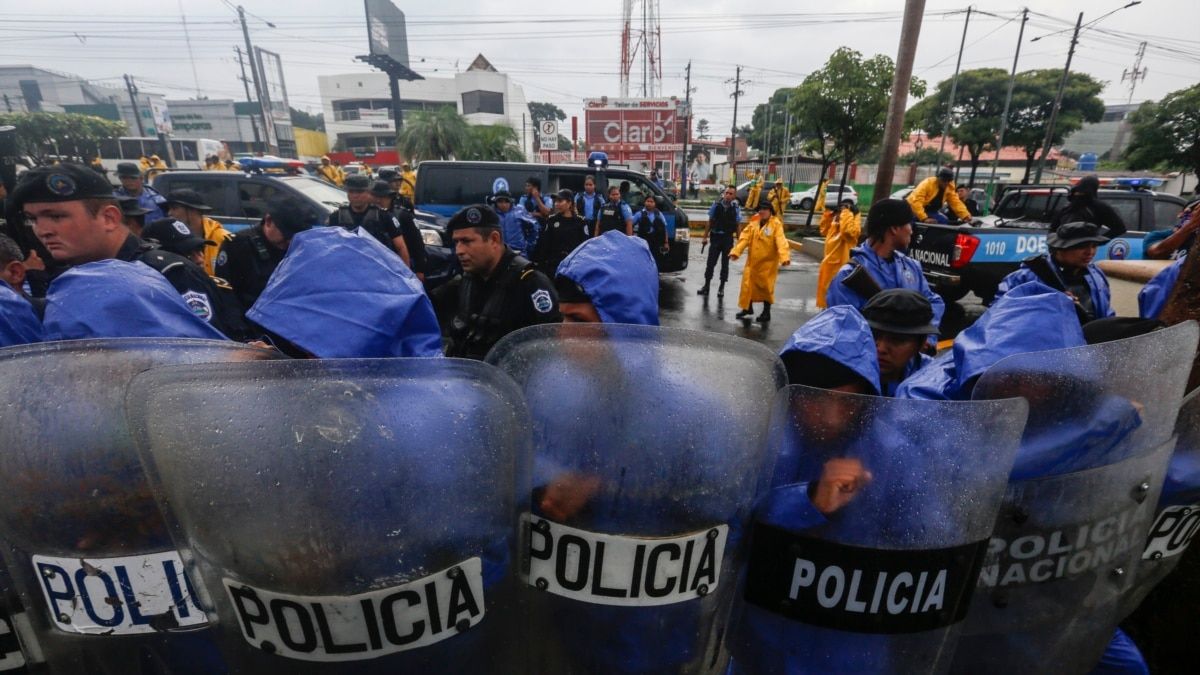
622, 125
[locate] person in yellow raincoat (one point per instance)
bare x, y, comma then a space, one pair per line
408, 183
157, 166
754, 191
329, 172
779, 198
766, 249
841, 228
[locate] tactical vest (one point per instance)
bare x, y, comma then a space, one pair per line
724, 220
371, 224
611, 218
597, 204
472, 333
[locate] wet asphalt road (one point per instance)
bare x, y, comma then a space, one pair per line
795, 295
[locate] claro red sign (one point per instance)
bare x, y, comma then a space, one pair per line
618, 126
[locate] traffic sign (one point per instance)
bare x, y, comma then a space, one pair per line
548, 134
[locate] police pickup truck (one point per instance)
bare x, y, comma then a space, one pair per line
962, 258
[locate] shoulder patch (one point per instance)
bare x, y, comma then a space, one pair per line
542, 301
221, 283
222, 258
199, 304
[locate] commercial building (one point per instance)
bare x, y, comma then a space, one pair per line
26, 88
237, 123
1107, 138
358, 108
641, 133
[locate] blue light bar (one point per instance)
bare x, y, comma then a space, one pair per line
1139, 182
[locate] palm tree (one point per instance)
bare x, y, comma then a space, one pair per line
493, 143
438, 134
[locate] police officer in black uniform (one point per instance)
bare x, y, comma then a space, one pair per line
386, 198
75, 215
362, 212
247, 260
722, 228
497, 293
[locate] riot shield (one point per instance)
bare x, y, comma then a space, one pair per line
1066, 549
649, 446
865, 549
349, 515
1178, 515
103, 587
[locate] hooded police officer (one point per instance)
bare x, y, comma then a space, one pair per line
362, 212
1083, 204
251, 256
74, 214
498, 291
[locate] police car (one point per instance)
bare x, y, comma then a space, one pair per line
239, 201
958, 259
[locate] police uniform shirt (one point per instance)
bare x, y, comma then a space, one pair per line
651, 226
563, 234
474, 318
150, 199
378, 223
210, 299
417, 257
246, 261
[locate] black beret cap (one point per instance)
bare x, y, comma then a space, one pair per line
60, 183
129, 170
291, 217
173, 236
900, 310
475, 215
388, 175
890, 212
381, 188
132, 206
357, 182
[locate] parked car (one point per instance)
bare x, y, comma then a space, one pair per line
239, 201
444, 187
804, 200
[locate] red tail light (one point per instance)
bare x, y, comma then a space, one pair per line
965, 246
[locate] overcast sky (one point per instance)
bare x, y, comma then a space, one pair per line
567, 51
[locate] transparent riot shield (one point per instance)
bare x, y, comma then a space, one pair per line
1178, 517
1065, 553
649, 447
866, 547
344, 515
103, 588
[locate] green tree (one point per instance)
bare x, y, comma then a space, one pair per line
1033, 101
40, 134
1167, 133
769, 122
975, 119
303, 120
844, 104
433, 134
493, 143
702, 129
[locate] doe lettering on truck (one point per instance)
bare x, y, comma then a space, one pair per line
997, 248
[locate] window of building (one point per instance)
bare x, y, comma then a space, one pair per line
482, 102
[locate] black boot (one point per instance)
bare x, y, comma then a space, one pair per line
721, 290
704, 289
746, 313
765, 317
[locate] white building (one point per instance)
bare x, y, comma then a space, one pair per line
358, 106
26, 88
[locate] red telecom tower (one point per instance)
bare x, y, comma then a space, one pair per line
641, 43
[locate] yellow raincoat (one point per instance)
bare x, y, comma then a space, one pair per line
753, 193
330, 173
217, 235
779, 198
926, 193
766, 249
841, 234
408, 184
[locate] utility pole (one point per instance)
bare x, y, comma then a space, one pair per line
246, 87
1137, 72
954, 87
262, 111
910, 30
137, 116
737, 92
1062, 86
687, 130
1012, 81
